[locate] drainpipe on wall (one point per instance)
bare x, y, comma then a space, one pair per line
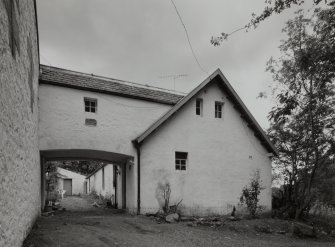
138, 148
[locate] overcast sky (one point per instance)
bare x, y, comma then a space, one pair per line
143, 40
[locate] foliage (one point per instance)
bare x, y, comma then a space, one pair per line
303, 120
271, 7
166, 193
163, 194
325, 186
51, 179
250, 194
84, 167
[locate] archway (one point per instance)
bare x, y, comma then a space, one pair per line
117, 159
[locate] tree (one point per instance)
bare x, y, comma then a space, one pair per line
303, 120
85, 167
271, 7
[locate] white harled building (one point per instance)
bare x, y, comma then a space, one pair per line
205, 145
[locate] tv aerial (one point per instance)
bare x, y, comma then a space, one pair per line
174, 77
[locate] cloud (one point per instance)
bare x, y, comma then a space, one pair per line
143, 40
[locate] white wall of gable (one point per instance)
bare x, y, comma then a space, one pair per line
222, 154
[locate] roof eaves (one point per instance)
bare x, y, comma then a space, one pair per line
96, 170
248, 116
95, 90
94, 83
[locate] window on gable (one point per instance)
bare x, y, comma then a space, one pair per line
198, 107
181, 161
218, 109
90, 105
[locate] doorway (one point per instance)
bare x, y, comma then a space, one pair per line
67, 186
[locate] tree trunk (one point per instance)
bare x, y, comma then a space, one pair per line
298, 213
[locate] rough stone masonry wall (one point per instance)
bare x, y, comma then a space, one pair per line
19, 154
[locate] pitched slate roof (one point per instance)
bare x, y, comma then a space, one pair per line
66, 78
218, 77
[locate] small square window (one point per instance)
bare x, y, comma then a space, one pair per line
90, 105
198, 107
218, 109
181, 161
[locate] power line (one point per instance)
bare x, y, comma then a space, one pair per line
188, 39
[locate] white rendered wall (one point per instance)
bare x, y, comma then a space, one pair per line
222, 154
77, 180
108, 190
119, 121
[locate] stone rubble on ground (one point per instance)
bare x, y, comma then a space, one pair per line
297, 228
303, 230
171, 218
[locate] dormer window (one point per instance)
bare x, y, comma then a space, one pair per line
198, 107
90, 105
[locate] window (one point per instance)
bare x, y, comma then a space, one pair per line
198, 107
103, 178
90, 105
218, 109
181, 161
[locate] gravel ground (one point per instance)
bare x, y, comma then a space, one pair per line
105, 227
76, 203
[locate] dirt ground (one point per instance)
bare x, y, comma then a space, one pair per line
90, 226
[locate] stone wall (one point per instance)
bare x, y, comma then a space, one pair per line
19, 155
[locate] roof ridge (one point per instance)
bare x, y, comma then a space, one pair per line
110, 79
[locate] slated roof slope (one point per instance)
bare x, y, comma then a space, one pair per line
66, 78
96, 170
218, 77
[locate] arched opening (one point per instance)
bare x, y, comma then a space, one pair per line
106, 159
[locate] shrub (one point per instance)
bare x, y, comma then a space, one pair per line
251, 192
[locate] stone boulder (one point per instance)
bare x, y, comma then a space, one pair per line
172, 218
